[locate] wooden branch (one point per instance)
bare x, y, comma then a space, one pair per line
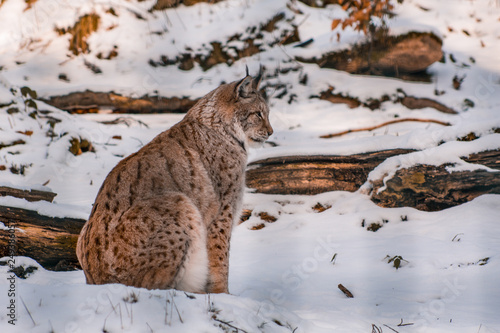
51, 241
395, 121
314, 174
31, 195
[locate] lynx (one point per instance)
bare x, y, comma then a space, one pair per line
163, 216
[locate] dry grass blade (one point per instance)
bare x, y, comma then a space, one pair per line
27, 310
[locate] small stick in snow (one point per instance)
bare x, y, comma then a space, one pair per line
27, 310
345, 291
229, 324
371, 128
112, 306
391, 328
403, 324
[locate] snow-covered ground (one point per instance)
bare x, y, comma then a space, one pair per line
285, 276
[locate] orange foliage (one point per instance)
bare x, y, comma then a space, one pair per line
361, 12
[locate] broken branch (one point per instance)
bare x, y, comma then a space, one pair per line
371, 128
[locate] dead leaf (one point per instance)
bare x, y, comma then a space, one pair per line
28, 133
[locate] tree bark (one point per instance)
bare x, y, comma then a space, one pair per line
91, 102
314, 174
400, 56
432, 188
51, 241
424, 187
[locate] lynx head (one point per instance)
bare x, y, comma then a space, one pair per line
238, 109
251, 112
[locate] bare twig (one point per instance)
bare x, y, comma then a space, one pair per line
228, 324
371, 128
345, 291
121, 317
391, 328
104, 330
401, 323
112, 306
176, 309
166, 311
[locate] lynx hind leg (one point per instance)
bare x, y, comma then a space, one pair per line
170, 251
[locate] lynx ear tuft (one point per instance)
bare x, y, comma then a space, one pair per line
245, 88
258, 78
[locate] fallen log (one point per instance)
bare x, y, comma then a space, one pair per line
91, 102
431, 188
51, 241
410, 102
314, 174
424, 187
163, 4
30, 195
406, 56
415, 103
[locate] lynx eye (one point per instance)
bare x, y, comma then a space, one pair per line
259, 115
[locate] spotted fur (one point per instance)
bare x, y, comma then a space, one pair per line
163, 216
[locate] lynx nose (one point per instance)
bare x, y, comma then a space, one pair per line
270, 131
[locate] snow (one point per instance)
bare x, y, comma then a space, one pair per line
282, 277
